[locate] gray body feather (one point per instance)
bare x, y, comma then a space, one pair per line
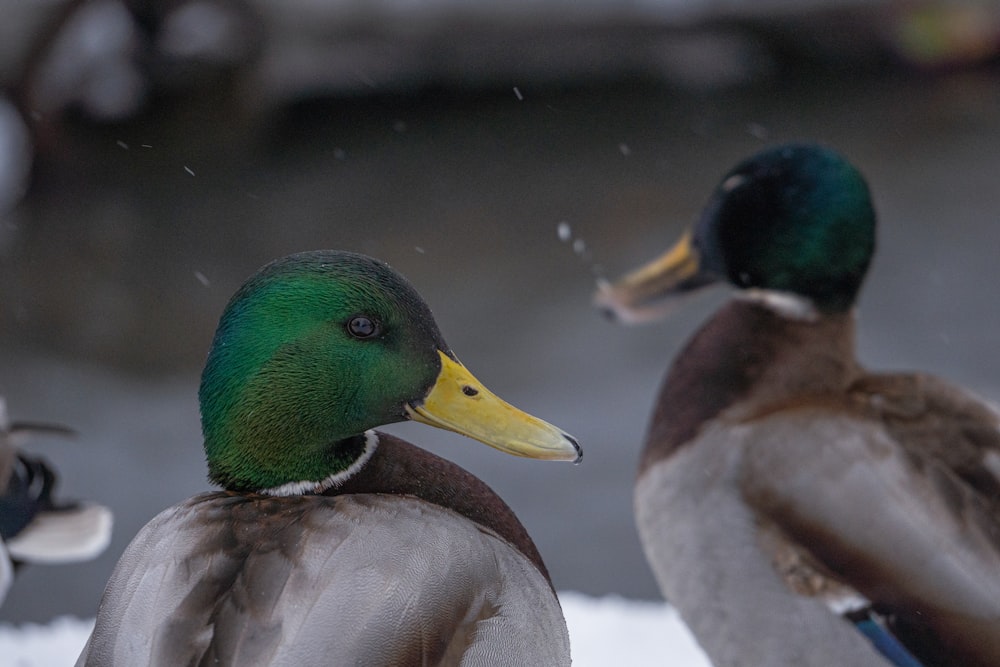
366, 579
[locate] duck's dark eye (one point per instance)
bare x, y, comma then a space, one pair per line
361, 326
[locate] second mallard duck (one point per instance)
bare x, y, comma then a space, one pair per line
333, 544
781, 483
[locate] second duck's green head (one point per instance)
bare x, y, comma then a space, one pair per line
795, 219
319, 347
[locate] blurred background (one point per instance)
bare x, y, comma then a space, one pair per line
502, 155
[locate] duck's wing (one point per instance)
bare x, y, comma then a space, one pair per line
937, 421
69, 534
316, 580
712, 556
895, 494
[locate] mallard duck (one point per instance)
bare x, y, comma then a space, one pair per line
790, 502
35, 527
332, 543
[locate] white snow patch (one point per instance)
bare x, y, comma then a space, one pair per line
55, 644
612, 630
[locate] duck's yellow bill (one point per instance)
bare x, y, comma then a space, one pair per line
459, 402
643, 294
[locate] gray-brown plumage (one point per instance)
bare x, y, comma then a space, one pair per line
375, 573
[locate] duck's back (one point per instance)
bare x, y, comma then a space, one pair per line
365, 579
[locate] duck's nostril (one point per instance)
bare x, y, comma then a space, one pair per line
469, 390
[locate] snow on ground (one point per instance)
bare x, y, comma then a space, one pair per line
614, 631
603, 631
56, 644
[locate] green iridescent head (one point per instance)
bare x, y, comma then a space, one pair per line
795, 219
319, 347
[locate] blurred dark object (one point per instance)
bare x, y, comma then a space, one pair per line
239, 60
34, 526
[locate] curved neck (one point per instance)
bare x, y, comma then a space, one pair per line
748, 357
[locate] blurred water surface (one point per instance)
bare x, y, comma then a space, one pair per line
115, 268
